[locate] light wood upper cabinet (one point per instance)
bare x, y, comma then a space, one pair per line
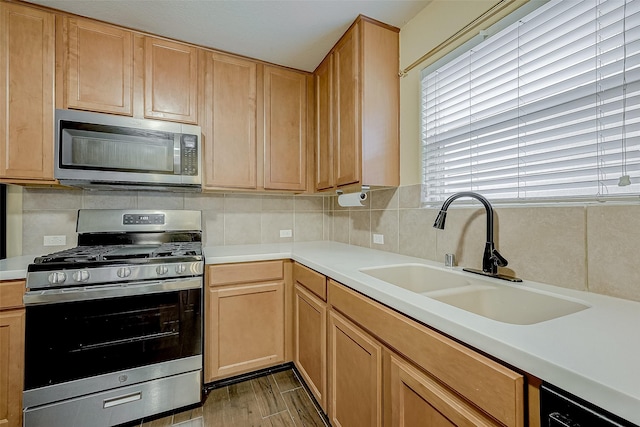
113, 70
364, 98
285, 129
27, 67
323, 87
346, 86
171, 81
228, 121
98, 67
254, 124
12, 329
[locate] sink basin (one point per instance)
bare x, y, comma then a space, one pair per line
510, 305
504, 303
417, 278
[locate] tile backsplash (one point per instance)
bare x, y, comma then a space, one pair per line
228, 218
587, 247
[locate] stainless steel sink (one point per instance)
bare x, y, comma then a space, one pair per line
502, 302
417, 278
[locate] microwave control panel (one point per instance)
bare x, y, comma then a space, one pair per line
189, 157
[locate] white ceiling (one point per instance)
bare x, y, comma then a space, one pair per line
294, 33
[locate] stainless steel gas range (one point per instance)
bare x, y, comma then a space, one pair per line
114, 326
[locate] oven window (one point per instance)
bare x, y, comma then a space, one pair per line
74, 340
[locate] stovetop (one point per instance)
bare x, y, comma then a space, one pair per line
99, 255
117, 246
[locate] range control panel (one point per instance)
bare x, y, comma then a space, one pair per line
154, 219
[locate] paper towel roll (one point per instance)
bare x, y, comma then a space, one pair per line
352, 199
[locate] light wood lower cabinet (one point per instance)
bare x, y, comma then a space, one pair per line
310, 351
419, 399
244, 318
12, 327
453, 369
366, 364
355, 375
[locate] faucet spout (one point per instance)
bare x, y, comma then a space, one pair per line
491, 258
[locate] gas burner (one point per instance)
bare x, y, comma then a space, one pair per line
179, 249
112, 250
88, 254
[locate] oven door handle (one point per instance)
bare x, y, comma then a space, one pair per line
121, 400
86, 293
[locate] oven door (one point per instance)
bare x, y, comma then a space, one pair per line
82, 341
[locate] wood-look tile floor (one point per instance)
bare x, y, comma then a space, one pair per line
275, 400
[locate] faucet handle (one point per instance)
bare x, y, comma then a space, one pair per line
498, 259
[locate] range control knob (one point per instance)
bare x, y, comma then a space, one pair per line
162, 269
81, 276
57, 277
123, 272
180, 268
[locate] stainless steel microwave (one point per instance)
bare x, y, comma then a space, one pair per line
102, 151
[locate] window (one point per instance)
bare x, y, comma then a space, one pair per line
548, 108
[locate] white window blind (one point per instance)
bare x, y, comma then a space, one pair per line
548, 108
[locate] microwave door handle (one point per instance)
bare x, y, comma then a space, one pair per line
177, 151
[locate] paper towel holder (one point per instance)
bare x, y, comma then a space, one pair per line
363, 189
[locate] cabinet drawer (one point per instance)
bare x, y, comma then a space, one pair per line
312, 280
11, 293
229, 274
490, 386
119, 405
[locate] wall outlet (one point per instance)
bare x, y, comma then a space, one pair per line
378, 239
55, 240
286, 233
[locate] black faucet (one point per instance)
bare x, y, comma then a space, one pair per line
491, 258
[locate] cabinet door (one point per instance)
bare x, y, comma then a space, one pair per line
230, 122
346, 113
285, 129
323, 87
11, 367
246, 328
170, 81
310, 329
27, 49
418, 399
99, 63
355, 376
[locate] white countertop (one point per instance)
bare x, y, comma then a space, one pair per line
15, 267
594, 354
